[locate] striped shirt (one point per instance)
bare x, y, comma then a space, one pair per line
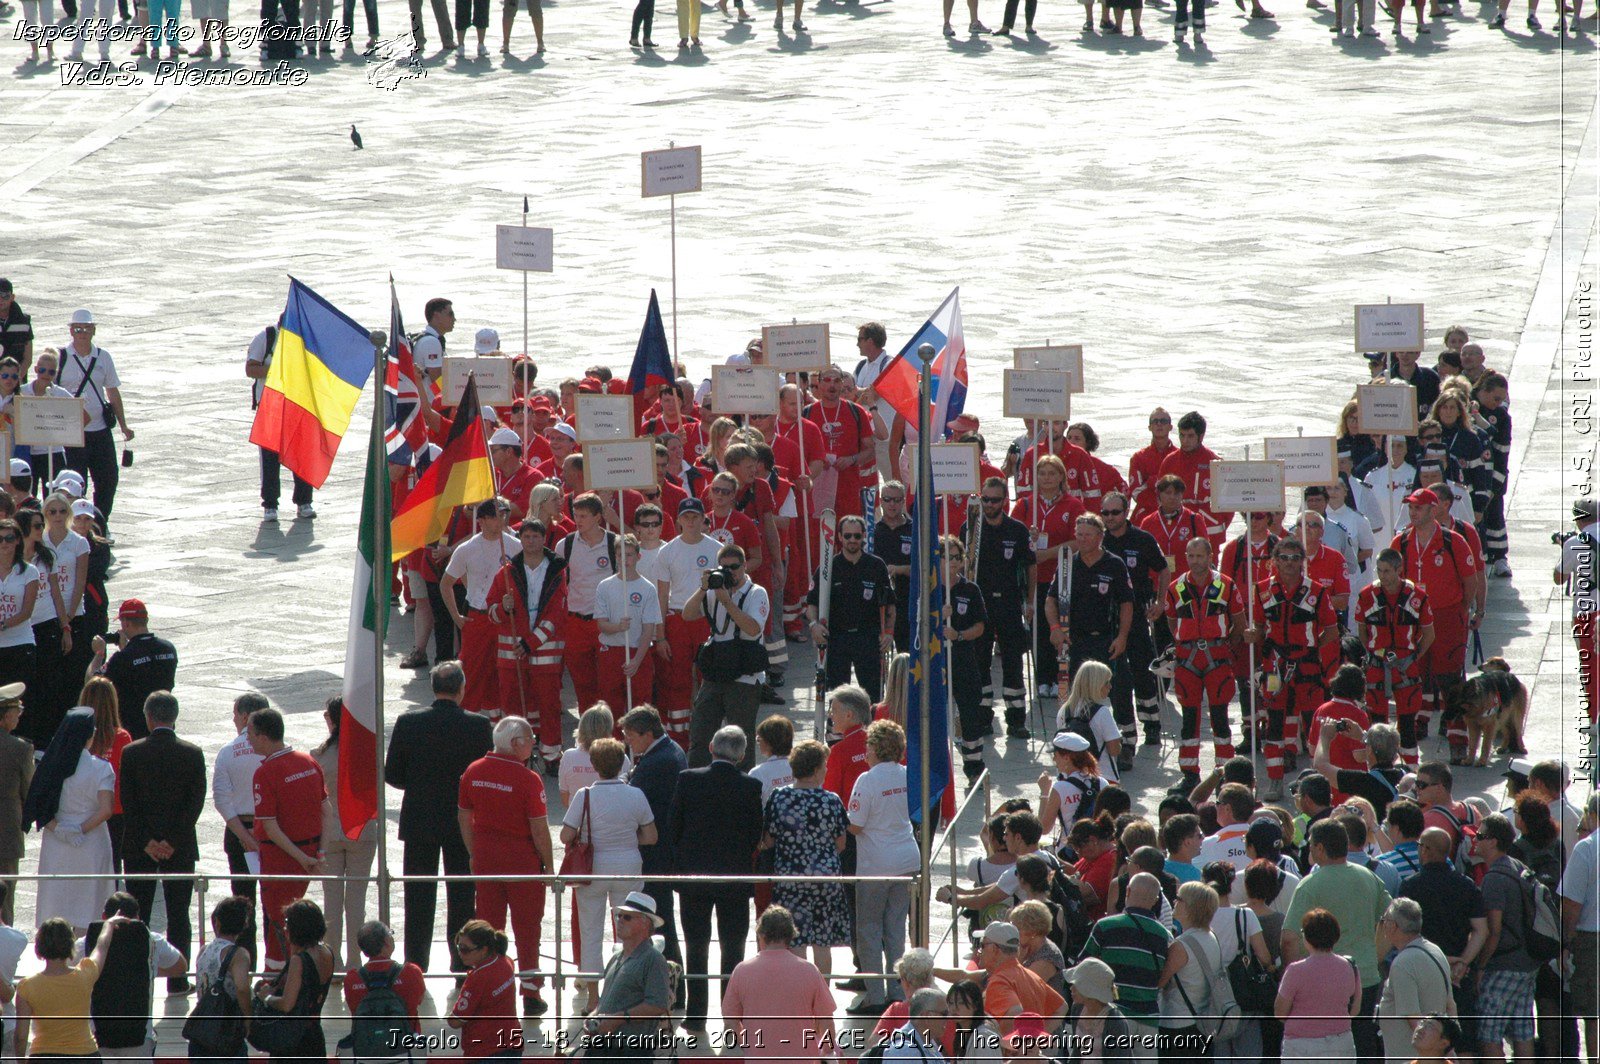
1403, 859
1135, 947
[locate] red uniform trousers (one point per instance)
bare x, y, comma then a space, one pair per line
1585, 635
278, 895
479, 647
535, 695
675, 681
1203, 673
795, 588
614, 687
1300, 690
581, 659
1406, 684
508, 855
1447, 662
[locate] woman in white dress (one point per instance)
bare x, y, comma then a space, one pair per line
70, 801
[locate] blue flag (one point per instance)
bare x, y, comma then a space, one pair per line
652, 362
925, 523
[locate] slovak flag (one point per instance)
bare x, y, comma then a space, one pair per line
404, 434
898, 383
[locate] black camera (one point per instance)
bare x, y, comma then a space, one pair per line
1560, 538
718, 579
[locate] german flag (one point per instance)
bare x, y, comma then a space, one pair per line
460, 476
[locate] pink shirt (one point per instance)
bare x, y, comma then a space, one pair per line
1319, 989
782, 1007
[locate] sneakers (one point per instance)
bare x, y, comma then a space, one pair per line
269, 513
798, 26
306, 512
1498, 22
1501, 568
483, 52
534, 1005
977, 28
1533, 22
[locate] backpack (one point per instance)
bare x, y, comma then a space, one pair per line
1070, 926
1254, 987
1541, 917
570, 540
380, 1024
216, 1024
1079, 725
1468, 832
1090, 792
1222, 1018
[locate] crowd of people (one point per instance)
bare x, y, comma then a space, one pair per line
1372, 914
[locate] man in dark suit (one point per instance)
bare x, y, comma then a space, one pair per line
714, 826
163, 784
16, 773
657, 760
429, 751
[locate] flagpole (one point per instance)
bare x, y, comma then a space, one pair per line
524, 286
380, 605
927, 525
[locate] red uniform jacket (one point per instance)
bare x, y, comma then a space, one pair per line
542, 642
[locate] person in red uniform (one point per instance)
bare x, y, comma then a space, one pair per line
1327, 567
1297, 619
289, 793
1173, 525
1079, 467
1240, 567
1051, 515
528, 608
1440, 562
376, 942
790, 432
753, 498
848, 444
514, 478
1344, 692
669, 417
1103, 476
1478, 592
1191, 463
531, 418
563, 440
1144, 468
503, 822
729, 527
1395, 623
486, 1011
591, 556
1204, 610
473, 565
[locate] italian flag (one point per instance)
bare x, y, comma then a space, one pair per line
358, 728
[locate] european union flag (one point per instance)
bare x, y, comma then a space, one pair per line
925, 523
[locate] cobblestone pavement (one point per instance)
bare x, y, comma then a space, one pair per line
1201, 218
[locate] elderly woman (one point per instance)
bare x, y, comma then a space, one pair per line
916, 970
616, 819
881, 823
1033, 921
70, 801
1100, 1030
1184, 984
1419, 978
1318, 995
805, 829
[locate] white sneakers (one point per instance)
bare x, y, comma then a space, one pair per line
269, 514
306, 512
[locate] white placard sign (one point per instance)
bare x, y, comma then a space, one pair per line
493, 374
518, 247
745, 389
1064, 358
1250, 486
605, 417
1041, 394
799, 348
1388, 326
955, 468
1386, 409
48, 421
1306, 459
618, 464
670, 171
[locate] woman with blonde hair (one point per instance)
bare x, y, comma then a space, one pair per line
718, 437
577, 770
1087, 711
896, 686
1351, 438
544, 502
110, 739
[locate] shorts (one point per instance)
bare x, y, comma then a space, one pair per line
1585, 982
1505, 1007
416, 580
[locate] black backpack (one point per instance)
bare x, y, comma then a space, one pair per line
380, 1024
1078, 724
1069, 929
216, 1025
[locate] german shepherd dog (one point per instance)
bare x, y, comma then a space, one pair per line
1493, 705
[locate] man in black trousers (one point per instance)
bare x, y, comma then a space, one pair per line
163, 783
429, 751
714, 827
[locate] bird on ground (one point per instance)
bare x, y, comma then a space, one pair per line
355, 138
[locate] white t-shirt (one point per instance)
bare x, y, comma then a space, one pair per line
65, 569
1070, 792
635, 601
13, 587
1225, 926
258, 352
102, 373
752, 599
647, 562
577, 771
13, 944
773, 773
476, 562
428, 351
885, 846
1227, 845
1390, 486
233, 778
680, 563
588, 565
535, 577
1104, 727
616, 813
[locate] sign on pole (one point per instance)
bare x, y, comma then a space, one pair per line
670, 171
523, 247
1063, 358
745, 389
1040, 394
605, 417
1306, 459
1388, 326
616, 465
1247, 486
493, 374
956, 468
798, 348
48, 421
1386, 409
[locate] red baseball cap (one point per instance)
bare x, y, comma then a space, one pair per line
590, 386
964, 423
132, 609
1422, 495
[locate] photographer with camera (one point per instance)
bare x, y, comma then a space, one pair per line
733, 662
1578, 564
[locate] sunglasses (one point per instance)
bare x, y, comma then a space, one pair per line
990, 500
722, 491
647, 524
8, 538
8, 376
1112, 513
45, 371
851, 535
1161, 421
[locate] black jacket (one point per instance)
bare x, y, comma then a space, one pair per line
656, 774
163, 784
715, 823
429, 751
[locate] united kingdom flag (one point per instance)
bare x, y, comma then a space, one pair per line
404, 433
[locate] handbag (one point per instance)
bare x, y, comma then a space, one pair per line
217, 1024
1254, 987
279, 1034
1223, 1019
578, 860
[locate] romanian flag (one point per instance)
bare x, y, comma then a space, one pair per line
459, 476
897, 384
319, 367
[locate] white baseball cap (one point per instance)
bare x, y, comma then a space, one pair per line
486, 342
504, 437
83, 508
20, 469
